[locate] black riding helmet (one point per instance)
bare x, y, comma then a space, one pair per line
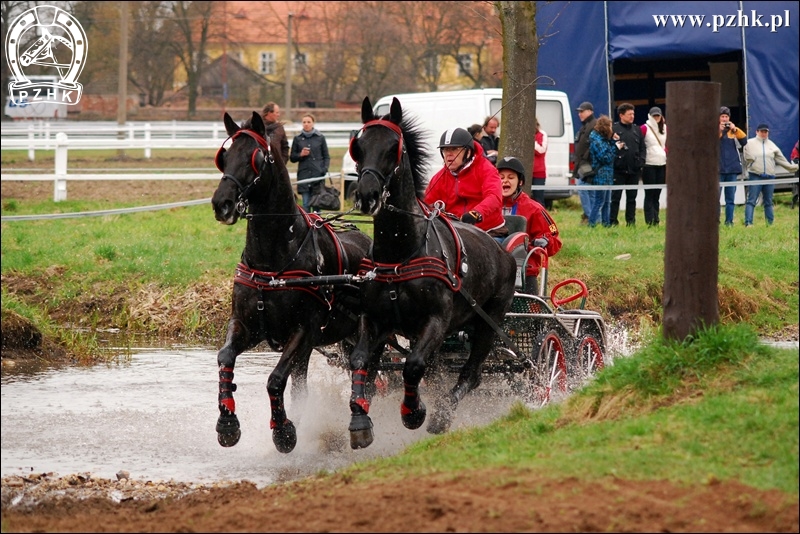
510, 162
457, 137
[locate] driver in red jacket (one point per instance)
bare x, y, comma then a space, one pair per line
468, 184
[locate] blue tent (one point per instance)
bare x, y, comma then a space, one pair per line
610, 52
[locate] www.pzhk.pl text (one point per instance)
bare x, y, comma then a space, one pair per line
739, 20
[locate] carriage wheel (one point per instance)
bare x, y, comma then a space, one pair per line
550, 369
589, 360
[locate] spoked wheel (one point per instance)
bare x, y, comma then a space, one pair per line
589, 360
549, 374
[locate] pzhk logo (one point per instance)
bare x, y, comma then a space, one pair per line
54, 41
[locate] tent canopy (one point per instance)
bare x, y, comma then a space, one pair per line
580, 41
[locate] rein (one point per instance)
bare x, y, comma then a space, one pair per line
414, 267
261, 279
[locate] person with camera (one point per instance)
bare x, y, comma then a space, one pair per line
631, 155
761, 156
731, 139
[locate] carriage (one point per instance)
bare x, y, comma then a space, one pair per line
447, 285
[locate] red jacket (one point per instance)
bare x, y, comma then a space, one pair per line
540, 149
476, 187
540, 224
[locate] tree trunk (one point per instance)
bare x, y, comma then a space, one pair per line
691, 253
520, 56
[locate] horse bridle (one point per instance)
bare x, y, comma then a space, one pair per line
244, 191
401, 149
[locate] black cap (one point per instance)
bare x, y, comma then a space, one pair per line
655, 110
456, 137
762, 126
725, 110
510, 162
586, 106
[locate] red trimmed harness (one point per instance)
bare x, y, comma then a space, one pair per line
261, 279
414, 268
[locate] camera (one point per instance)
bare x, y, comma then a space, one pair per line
727, 125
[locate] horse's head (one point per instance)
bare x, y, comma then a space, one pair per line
242, 166
378, 152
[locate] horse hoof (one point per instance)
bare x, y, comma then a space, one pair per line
285, 437
228, 432
361, 435
229, 440
439, 424
413, 420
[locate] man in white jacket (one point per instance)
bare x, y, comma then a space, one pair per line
761, 155
654, 171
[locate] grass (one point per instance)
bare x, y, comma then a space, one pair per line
719, 406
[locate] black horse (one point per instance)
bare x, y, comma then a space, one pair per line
427, 276
284, 244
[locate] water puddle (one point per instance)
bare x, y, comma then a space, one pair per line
154, 413
155, 417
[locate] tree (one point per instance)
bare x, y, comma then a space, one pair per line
191, 27
520, 55
152, 60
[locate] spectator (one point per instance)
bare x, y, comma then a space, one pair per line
654, 171
272, 114
468, 183
761, 155
603, 153
490, 141
541, 228
310, 149
539, 169
631, 155
476, 131
582, 157
731, 139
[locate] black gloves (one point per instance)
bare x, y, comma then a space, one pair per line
541, 242
472, 217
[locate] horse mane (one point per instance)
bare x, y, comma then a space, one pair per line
418, 157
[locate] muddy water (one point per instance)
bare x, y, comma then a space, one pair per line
155, 417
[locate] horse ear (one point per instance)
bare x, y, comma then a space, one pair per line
230, 125
396, 111
257, 124
366, 110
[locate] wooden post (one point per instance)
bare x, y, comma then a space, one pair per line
691, 253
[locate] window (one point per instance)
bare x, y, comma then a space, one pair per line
432, 66
266, 64
300, 62
464, 67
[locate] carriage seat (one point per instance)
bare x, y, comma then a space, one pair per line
516, 223
516, 244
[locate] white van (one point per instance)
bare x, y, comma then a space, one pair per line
442, 110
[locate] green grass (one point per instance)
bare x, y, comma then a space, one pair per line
720, 406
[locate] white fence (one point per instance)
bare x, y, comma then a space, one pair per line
40, 135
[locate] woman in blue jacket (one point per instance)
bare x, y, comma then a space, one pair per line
310, 149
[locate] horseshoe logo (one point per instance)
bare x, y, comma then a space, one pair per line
46, 36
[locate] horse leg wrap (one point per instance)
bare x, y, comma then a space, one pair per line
226, 389
228, 431
279, 418
358, 399
412, 410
